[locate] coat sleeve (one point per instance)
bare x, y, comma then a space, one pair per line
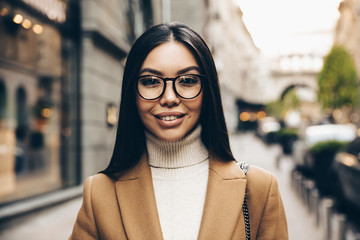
273, 224
85, 226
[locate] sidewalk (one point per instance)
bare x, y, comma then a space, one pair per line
56, 223
247, 147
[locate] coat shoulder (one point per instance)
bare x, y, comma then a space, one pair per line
266, 210
260, 182
226, 170
99, 185
102, 179
259, 176
99, 216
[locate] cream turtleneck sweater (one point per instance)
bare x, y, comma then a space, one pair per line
180, 174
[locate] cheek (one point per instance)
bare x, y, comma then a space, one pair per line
143, 107
197, 106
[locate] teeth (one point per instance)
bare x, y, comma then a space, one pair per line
169, 118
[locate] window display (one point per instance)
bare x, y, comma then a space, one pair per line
34, 124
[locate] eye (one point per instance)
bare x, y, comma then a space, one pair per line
188, 80
149, 81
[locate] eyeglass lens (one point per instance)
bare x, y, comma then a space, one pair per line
152, 87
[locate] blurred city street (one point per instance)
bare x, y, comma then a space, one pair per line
56, 222
50, 223
289, 76
247, 147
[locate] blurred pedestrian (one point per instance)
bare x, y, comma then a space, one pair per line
172, 174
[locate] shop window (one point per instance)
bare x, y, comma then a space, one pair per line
21, 111
21, 130
33, 147
7, 142
2, 101
39, 136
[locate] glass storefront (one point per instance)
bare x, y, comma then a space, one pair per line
38, 145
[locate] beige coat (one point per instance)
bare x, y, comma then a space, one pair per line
126, 208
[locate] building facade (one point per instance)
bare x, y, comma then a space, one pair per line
347, 34
61, 65
108, 30
242, 69
31, 79
347, 31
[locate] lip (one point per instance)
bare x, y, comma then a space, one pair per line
169, 123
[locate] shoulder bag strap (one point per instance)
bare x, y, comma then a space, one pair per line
245, 166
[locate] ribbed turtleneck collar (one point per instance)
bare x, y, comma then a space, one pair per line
186, 152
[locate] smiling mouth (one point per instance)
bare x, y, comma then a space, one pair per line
169, 118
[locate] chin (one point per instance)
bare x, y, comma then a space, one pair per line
170, 136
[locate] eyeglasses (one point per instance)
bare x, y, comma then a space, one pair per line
186, 86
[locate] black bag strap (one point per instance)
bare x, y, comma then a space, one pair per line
245, 166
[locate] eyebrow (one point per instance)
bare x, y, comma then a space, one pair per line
185, 70
150, 70
182, 71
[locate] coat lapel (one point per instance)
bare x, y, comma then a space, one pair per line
222, 210
136, 198
224, 199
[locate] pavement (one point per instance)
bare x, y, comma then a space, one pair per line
56, 222
247, 147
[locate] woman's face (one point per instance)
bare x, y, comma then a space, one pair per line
169, 117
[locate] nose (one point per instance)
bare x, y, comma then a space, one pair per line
169, 98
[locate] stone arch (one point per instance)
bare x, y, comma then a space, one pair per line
286, 83
290, 87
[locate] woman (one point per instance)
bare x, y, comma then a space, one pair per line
172, 174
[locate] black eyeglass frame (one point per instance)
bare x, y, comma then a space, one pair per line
201, 77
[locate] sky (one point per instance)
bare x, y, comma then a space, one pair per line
291, 26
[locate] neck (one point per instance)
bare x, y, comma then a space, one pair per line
186, 152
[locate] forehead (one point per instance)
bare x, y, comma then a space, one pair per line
169, 56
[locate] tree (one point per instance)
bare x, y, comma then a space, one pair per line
337, 80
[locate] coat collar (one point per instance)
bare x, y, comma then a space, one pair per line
224, 197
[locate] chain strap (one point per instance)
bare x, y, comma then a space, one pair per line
246, 218
245, 166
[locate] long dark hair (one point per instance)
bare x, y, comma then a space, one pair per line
130, 137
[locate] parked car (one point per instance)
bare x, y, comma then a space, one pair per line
316, 152
321, 133
267, 129
347, 164
338, 132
